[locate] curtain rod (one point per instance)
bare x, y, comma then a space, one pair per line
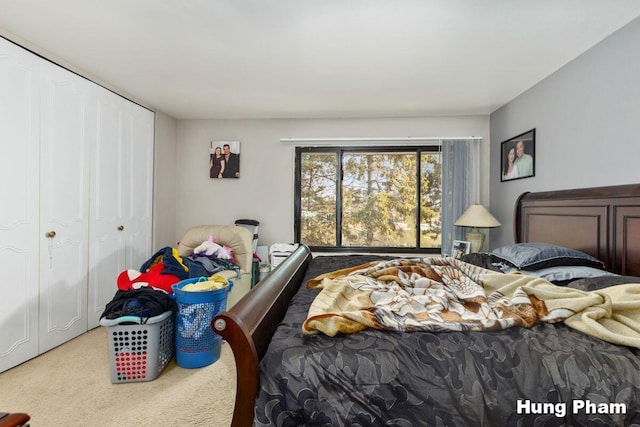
381, 139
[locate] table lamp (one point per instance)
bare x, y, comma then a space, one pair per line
476, 216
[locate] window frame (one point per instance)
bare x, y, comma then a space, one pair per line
340, 151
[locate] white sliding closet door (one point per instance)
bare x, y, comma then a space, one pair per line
19, 238
76, 171
139, 190
107, 230
65, 144
120, 231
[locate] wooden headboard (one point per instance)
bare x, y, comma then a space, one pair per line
603, 222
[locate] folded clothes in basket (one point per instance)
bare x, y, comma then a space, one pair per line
144, 302
214, 282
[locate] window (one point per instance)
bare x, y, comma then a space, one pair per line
373, 199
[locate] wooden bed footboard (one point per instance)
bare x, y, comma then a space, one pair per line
249, 325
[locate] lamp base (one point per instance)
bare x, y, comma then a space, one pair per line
476, 239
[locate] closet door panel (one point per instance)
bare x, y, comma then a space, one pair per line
139, 188
120, 232
140, 152
103, 276
64, 188
64, 301
108, 170
19, 237
107, 230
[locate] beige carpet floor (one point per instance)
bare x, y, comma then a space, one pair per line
71, 386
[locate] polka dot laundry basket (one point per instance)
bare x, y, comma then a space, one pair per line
139, 347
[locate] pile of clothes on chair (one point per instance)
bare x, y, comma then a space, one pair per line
147, 292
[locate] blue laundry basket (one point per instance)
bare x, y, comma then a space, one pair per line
196, 344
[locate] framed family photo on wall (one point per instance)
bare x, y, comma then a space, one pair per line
224, 159
518, 156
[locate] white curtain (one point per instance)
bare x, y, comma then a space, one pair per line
460, 186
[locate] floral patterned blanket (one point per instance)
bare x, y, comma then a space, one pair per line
446, 294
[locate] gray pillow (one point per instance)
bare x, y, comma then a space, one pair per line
534, 256
568, 272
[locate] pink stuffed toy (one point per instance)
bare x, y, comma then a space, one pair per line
224, 252
213, 250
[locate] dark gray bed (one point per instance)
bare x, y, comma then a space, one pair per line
377, 377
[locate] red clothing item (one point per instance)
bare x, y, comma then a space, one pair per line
133, 279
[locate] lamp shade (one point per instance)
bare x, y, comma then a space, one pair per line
477, 216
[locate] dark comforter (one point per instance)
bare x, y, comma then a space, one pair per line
547, 375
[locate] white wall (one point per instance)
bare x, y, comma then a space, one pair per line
264, 191
587, 120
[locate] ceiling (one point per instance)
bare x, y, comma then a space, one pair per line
204, 59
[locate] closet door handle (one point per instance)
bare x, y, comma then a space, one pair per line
51, 234
121, 228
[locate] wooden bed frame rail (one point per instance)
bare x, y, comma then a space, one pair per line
249, 325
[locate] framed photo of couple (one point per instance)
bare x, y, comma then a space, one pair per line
224, 159
518, 156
